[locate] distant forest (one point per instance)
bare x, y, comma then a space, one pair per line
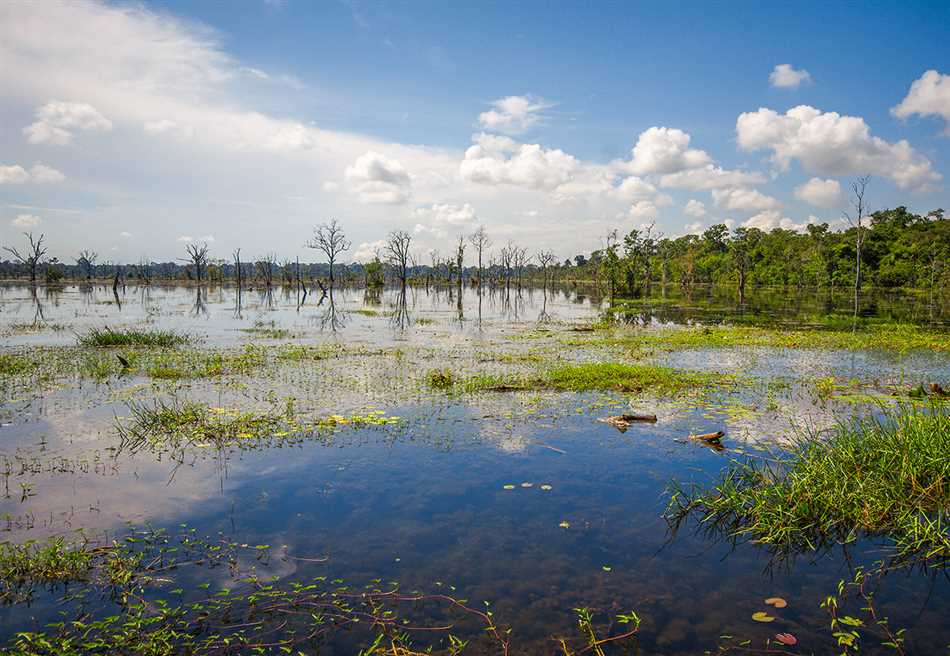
898, 249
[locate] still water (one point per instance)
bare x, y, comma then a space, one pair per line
427, 504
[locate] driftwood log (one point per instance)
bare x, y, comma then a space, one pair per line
622, 422
708, 437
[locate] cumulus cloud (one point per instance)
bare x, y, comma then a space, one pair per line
743, 200
785, 76
770, 220
513, 114
830, 144
694, 208
642, 210
929, 95
820, 193
38, 173
711, 177
695, 228
635, 188
494, 160
185, 239
366, 251
58, 120
447, 214
125, 234
665, 150
25, 221
375, 178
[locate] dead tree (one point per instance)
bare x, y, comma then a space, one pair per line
546, 259
479, 239
87, 261
520, 260
397, 253
460, 257
508, 253
329, 239
32, 258
237, 267
265, 268
197, 257
856, 219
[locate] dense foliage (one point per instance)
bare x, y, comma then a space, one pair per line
900, 249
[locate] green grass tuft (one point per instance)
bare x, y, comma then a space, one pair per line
109, 337
880, 477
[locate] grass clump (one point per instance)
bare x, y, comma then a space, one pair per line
109, 337
24, 567
15, 365
441, 378
178, 425
626, 378
873, 477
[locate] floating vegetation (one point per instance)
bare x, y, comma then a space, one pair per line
888, 477
16, 365
177, 425
24, 567
110, 337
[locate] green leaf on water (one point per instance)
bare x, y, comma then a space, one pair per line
762, 617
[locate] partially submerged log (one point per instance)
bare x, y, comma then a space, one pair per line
712, 438
622, 422
937, 390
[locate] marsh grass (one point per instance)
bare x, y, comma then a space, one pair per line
583, 377
109, 337
899, 338
176, 425
23, 567
12, 364
886, 477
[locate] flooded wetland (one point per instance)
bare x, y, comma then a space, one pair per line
488, 471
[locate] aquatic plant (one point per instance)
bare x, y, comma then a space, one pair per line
25, 566
12, 364
110, 337
885, 476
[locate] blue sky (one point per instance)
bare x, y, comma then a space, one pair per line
247, 123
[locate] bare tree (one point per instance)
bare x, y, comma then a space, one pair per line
460, 256
329, 239
237, 267
520, 260
397, 253
197, 257
546, 259
32, 258
265, 268
480, 240
87, 260
507, 255
856, 219
145, 270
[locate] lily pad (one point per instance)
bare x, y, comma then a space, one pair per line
762, 617
778, 602
786, 639
508, 487
526, 484
565, 524
546, 488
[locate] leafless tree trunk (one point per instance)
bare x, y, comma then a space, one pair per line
198, 257
460, 257
265, 268
87, 260
329, 239
33, 257
237, 267
856, 219
545, 259
479, 239
397, 253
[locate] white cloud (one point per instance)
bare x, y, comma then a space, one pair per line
160, 126
769, 220
184, 239
785, 76
502, 161
14, 174
711, 177
447, 214
743, 200
929, 95
375, 178
125, 234
830, 144
642, 210
513, 114
366, 251
694, 208
26, 221
634, 188
38, 173
57, 120
820, 193
695, 228
665, 150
